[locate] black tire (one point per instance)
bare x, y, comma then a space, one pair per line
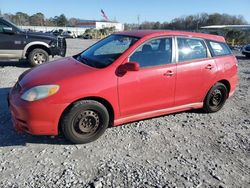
216, 98
247, 55
85, 121
38, 56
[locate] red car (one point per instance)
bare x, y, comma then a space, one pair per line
125, 77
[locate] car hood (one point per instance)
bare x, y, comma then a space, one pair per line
41, 35
54, 73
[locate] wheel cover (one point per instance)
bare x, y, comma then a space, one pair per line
216, 98
86, 122
39, 58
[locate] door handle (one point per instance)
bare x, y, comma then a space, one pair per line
209, 66
169, 73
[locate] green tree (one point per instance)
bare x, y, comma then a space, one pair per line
60, 20
37, 19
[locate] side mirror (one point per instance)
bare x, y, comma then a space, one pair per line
8, 30
129, 66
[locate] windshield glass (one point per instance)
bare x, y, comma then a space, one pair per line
106, 51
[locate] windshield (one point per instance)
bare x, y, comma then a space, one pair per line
106, 51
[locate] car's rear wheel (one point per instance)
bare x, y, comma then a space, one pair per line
85, 121
38, 56
248, 55
216, 98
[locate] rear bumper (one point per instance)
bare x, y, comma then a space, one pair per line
245, 52
36, 118
233, 83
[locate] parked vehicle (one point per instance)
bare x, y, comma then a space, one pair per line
86, 36
68, 34
125, 77
57, 32
246, 50
36, 47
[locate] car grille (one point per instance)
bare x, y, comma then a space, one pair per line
61, 44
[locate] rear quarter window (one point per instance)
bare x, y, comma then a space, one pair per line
219, 48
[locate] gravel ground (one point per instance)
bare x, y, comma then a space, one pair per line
189, 149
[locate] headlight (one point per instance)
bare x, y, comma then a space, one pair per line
39, 92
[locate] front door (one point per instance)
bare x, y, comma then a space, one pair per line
152, 87
12, 44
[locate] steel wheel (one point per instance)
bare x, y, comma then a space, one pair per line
215, 98
85, 121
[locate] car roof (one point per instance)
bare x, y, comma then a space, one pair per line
157, 33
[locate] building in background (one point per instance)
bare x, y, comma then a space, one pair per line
95, 24
81, 27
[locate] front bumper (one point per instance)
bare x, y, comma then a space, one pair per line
60, 48
245, 52
37, 118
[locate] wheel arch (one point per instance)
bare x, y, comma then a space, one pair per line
33, 45
227, 84
223, 81
103, 101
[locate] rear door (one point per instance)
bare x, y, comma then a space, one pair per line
196, 70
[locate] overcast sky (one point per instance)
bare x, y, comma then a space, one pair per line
127, 10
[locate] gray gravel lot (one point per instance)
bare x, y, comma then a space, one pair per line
189, 149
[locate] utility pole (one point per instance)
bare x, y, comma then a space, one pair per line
197, 26
138, 20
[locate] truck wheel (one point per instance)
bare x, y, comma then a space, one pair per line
85, 121
216, 98
38, 56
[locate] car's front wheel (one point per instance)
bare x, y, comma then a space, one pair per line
85, 121
38, 56
216, 98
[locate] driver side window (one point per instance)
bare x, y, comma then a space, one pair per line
2, 25
153, 53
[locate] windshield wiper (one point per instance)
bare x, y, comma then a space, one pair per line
86, 61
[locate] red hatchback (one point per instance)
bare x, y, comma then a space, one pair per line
125, 77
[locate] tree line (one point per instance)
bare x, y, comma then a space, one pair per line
187, 23
191, 22
39, 19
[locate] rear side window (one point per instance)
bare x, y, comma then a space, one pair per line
191, 49
219, 48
